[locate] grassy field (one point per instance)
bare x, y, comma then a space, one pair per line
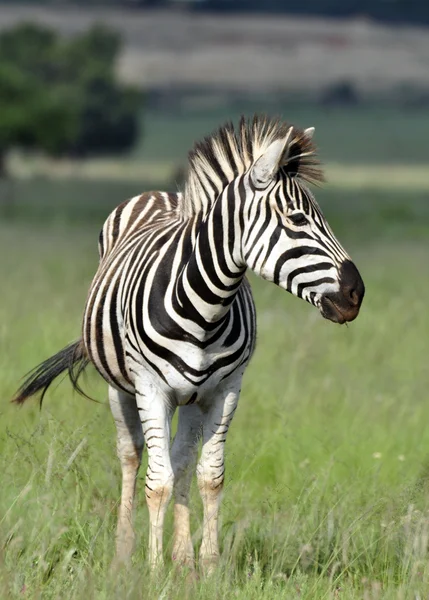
327, 488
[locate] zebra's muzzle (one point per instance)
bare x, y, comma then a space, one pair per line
343, 306
330, 310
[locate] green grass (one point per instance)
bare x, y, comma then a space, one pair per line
327, 486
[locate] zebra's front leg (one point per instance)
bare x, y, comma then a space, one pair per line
129, 449
183, 458
155, 413
211, 469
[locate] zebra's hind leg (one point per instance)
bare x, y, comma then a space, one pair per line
129, 448
183, 458
210, 469
156, 413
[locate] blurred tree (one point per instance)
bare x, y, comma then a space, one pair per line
62, 97
108, 110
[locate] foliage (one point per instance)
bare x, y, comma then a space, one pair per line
61, 96
410, 11
394, 11
397, 11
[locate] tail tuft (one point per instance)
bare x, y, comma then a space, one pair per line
71, 358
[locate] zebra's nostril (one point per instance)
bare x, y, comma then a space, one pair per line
352, 286
353, 297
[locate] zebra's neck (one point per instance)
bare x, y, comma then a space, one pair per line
215, 269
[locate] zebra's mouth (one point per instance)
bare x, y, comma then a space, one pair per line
331, 311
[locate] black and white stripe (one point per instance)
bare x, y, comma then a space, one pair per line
149, 301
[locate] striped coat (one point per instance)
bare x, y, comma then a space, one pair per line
139, 313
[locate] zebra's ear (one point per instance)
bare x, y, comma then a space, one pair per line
267, 165
309, 132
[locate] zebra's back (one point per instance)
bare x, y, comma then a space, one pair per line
132, 215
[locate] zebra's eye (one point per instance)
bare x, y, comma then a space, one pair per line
298, 218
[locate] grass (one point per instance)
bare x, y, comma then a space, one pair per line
327, 489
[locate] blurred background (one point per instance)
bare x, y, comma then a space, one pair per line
117, 92
100, 101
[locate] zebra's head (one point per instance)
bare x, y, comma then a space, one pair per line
286, 238
256, 176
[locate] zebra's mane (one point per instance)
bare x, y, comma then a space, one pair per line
227, 153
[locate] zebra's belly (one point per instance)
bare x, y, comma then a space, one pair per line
193, 378
186, 377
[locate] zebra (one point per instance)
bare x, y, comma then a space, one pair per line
170, 322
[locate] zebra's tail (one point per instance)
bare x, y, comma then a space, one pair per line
72, 358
